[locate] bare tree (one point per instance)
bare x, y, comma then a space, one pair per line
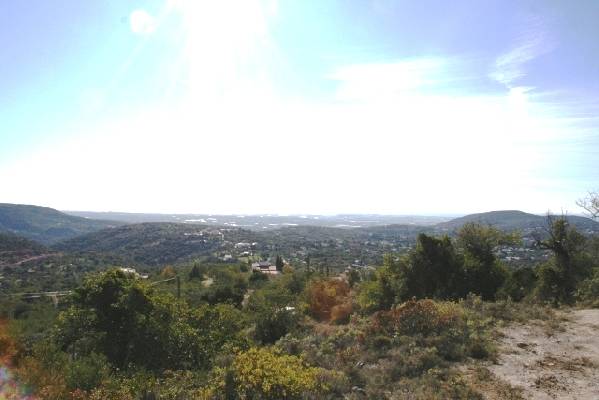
590, 204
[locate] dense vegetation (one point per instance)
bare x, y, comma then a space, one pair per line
202, 329
514, 220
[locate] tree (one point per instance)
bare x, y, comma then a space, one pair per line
520, 283
483, 272
433, 269
196, 272
272, 313
387, 287
279, 263
439, 268
590, 204
125, 320
229, 288
559, 277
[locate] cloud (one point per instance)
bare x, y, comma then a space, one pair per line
142, 23
510, 67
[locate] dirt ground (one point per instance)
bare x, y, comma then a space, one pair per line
549, 363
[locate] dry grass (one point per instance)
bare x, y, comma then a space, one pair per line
493, 388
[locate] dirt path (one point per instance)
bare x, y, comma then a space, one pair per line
22, 261
553, 364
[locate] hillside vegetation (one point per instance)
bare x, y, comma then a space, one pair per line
156, 243
156, 311
511, 220
15, 249
45, 225
221, 331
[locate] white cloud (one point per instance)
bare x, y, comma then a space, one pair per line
142, 23
511, 66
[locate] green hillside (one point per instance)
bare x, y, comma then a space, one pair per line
13, 243
15, 249
155, 243
45, 225
158, 243
510, 220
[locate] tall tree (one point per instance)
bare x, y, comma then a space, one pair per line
558, 277
483, 272
279, 263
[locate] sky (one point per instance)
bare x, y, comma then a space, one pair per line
299, 106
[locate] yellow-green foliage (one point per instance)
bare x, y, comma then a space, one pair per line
265, 373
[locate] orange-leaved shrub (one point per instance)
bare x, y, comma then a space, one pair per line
329, 300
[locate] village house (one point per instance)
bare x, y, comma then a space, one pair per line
265, 267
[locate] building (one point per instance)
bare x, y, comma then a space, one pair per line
133, 272
265, 267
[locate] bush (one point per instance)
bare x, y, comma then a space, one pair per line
257, 279
273, 313
375, 295
324, 296
588, 290
87, 372
229, 288
519, 284
341, 312
419, 317
265, 373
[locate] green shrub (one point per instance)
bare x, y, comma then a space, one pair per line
588, 290
272, 311
87, 372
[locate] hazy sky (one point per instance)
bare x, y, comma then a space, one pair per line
302, 106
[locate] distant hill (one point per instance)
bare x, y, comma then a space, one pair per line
261, 222
510, 220
46, 225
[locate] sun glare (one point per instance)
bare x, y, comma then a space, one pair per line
221, 47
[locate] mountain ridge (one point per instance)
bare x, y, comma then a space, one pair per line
511, 220
46, 225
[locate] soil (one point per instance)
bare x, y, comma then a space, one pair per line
552, 363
